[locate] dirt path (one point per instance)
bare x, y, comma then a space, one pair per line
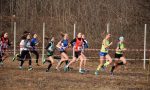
131, 78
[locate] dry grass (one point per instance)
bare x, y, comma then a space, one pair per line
131, 78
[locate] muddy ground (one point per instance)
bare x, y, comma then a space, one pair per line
131, 77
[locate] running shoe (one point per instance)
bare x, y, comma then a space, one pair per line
86, 70
47, 70
1, 63
65, 69
96, 72
30, 68
20, 67
14, 58
44, 61
81, 71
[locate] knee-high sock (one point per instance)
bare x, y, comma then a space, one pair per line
113, 68
22, 62
121, 63
0, 58
67, 62
50, 64
30, 62
18, 55
106, 64
99, 67
37, 57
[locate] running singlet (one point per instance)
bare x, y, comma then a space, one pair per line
34, 42
121, 47
27, 45
64, 45
5, 43
103, 49
79, 44
50, 47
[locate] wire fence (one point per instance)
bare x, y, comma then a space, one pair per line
125, 18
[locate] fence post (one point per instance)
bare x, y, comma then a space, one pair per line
145, 29
74, 35
43, 47
14, 38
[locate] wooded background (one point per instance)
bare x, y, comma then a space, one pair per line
126, 17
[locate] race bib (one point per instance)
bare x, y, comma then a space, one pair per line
80, 48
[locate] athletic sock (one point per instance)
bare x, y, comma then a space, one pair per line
67, 62
30, 62
49, 66
61, 63
37, 60
106, 64
46, 60
17, 55
102, 66
21, 63
98, 68
80, 69
113, 68
121, 63
0, 60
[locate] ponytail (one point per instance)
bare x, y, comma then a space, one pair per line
62, 34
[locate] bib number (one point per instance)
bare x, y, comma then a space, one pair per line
79, 48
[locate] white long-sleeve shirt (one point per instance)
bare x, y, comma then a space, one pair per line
22, 45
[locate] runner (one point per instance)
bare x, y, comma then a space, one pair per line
34, 43
62, 47
25, 54
4, 46
119, 55
77, 44
85, 45
104, 54
50, 51
21, 45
